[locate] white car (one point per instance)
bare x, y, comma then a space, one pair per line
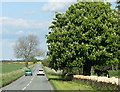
41, 72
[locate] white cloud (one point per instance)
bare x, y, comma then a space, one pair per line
12, 44
3, 18
19, 26
29, 13
30, 33
15, 22
20, 32
23, 23
55, 5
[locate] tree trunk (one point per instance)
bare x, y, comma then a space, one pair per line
116, 67
26, 64
92, 70
87, 69
112, 67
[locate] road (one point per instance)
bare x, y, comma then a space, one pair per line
33, 82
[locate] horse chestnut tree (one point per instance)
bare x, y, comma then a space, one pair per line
83, 36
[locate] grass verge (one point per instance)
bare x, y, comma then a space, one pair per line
7, 78
114, 73
60, 83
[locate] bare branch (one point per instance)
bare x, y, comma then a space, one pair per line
27, 47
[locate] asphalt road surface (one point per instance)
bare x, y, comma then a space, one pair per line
33, 82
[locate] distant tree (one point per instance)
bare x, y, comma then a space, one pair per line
11, 61
85, 35
34, 60
46, 62
27, 47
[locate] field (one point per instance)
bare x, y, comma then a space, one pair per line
11, 74
9, 67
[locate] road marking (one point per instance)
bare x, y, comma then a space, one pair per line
28, 83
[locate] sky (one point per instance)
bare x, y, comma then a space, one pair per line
19, 18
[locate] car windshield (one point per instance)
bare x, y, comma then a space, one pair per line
28, 71
40, 70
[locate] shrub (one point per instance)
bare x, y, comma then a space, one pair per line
45, 62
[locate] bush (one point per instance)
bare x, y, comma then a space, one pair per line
45, 62
34, 60
103, 67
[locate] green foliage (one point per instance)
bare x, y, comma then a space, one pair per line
45, 62
85, 35
114, 73
11, 61
102, 67
34, 60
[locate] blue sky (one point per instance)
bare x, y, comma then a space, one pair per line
23, 18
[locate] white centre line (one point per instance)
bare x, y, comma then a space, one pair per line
28, 83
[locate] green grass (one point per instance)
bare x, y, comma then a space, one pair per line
114, 73
60, 83
9, 67
7, 78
